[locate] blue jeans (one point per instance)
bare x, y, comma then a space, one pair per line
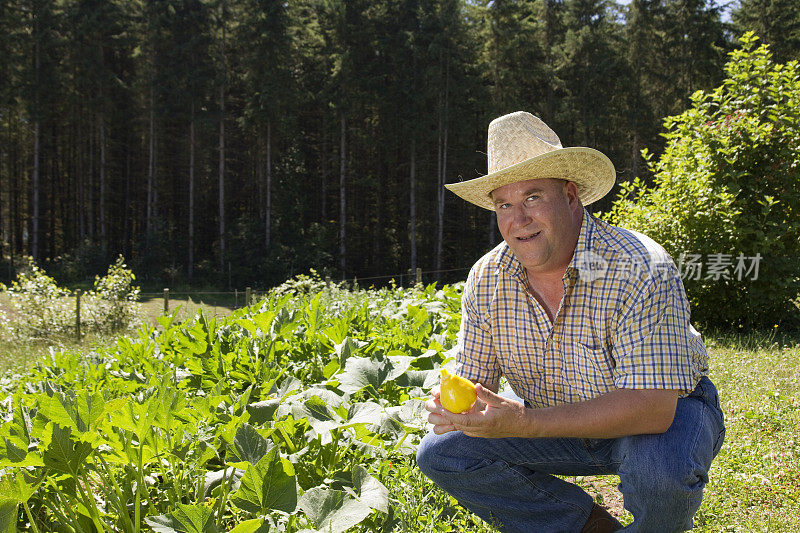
510, 482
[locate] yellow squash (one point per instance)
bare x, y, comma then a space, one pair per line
457, 393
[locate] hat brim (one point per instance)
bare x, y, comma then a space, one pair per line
591, 170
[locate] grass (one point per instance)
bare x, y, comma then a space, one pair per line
15, 356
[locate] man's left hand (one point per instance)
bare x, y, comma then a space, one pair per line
497, 417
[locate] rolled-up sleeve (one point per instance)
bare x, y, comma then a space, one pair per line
476, 359
654, 345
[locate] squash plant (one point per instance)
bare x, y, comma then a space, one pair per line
280, 417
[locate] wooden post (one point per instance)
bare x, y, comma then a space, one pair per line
248, 293
166, 301
236, 303
78, 314
327, 282
419, 276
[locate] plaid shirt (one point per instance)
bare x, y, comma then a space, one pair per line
623, 322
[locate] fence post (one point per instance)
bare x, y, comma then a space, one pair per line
327, 282
247, 295
419, 276
236, 302
166, 301
78, 313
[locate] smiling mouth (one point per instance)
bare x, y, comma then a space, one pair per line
529, 237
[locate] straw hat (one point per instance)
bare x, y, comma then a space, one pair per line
522, 147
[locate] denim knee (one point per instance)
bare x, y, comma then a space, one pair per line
660, 478
426, 454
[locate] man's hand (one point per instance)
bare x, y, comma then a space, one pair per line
492, 416
495, 417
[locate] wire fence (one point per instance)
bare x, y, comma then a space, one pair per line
223, 302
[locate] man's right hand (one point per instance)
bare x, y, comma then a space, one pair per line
436, 417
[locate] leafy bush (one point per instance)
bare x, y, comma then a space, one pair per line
40, 308
726, 194
113, 304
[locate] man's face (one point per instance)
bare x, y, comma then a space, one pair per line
540, 221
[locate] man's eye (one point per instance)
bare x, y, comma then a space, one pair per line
503, 206
534, 197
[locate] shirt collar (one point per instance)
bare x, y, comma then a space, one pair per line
584, 245
507, 261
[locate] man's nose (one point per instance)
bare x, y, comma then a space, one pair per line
521, 216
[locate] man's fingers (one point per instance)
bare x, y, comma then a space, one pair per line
488, 396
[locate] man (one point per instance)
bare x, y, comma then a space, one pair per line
589, 325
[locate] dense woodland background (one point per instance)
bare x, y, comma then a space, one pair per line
245, 141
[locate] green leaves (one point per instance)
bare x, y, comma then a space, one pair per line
196, 518
726, 186
249, 445
210, 425
335, 510
370, 374
268, 485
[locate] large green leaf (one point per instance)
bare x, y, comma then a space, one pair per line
333, 511
263, 411
197, 518
248, 445
268, 485
63, 453
70, 410
321, 418
364, 372
370, 491
18, 486
8, 516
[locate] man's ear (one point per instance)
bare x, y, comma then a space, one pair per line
571, 190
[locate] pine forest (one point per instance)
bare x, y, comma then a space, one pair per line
246, 141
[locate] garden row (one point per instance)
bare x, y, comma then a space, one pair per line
283, 416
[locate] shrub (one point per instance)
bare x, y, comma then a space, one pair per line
726, 194
40, 308
113, 304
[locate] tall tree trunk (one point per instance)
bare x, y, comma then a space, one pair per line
323, 164
442, 173
151, 165
35, 191
412, 205
36, 147
190, 259
102, 206
268, 210
126, 210
222, 150
90, 188
81, 184
342, 194
222, 178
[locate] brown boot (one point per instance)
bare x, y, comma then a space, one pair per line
600, 521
